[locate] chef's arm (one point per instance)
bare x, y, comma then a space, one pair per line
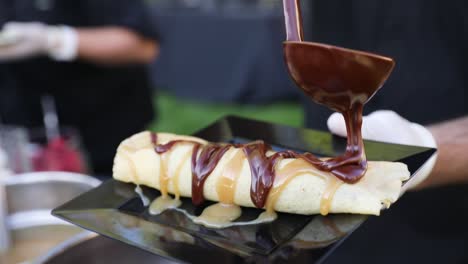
101, 45
451, 166
115, 45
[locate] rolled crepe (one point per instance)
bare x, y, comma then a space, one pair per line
137, 162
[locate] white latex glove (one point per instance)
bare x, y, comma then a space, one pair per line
33, 38
388, 126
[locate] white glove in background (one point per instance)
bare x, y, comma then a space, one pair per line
33, 39
388, 126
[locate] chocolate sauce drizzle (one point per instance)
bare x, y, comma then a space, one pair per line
203, 165
262, 169
205, 158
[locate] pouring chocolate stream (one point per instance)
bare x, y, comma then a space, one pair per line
341, 79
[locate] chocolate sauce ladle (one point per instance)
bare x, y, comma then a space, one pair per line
338, 78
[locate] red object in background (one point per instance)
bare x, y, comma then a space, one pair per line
58, 155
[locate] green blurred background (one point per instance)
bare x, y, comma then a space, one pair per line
185, 117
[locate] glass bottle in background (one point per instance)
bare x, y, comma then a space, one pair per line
63, 152
55, 148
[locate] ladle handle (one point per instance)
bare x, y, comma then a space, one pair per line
293, 20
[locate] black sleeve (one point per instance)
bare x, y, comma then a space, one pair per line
132, 14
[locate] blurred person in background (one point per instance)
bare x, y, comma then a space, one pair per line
91, 56
428, 40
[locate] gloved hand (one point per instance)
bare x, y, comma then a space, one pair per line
388, 126
33, 39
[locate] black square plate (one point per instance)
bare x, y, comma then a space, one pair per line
114, 210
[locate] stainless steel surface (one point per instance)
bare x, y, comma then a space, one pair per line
44, 190
30, 199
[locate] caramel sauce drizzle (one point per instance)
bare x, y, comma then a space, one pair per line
134, 171
332, 186
163, 176
226, 185
287, 174
165, 201
142, 196
223, 214
164, 173
219, 215
265, 189
299, 167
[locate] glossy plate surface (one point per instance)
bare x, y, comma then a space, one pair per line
114, 209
